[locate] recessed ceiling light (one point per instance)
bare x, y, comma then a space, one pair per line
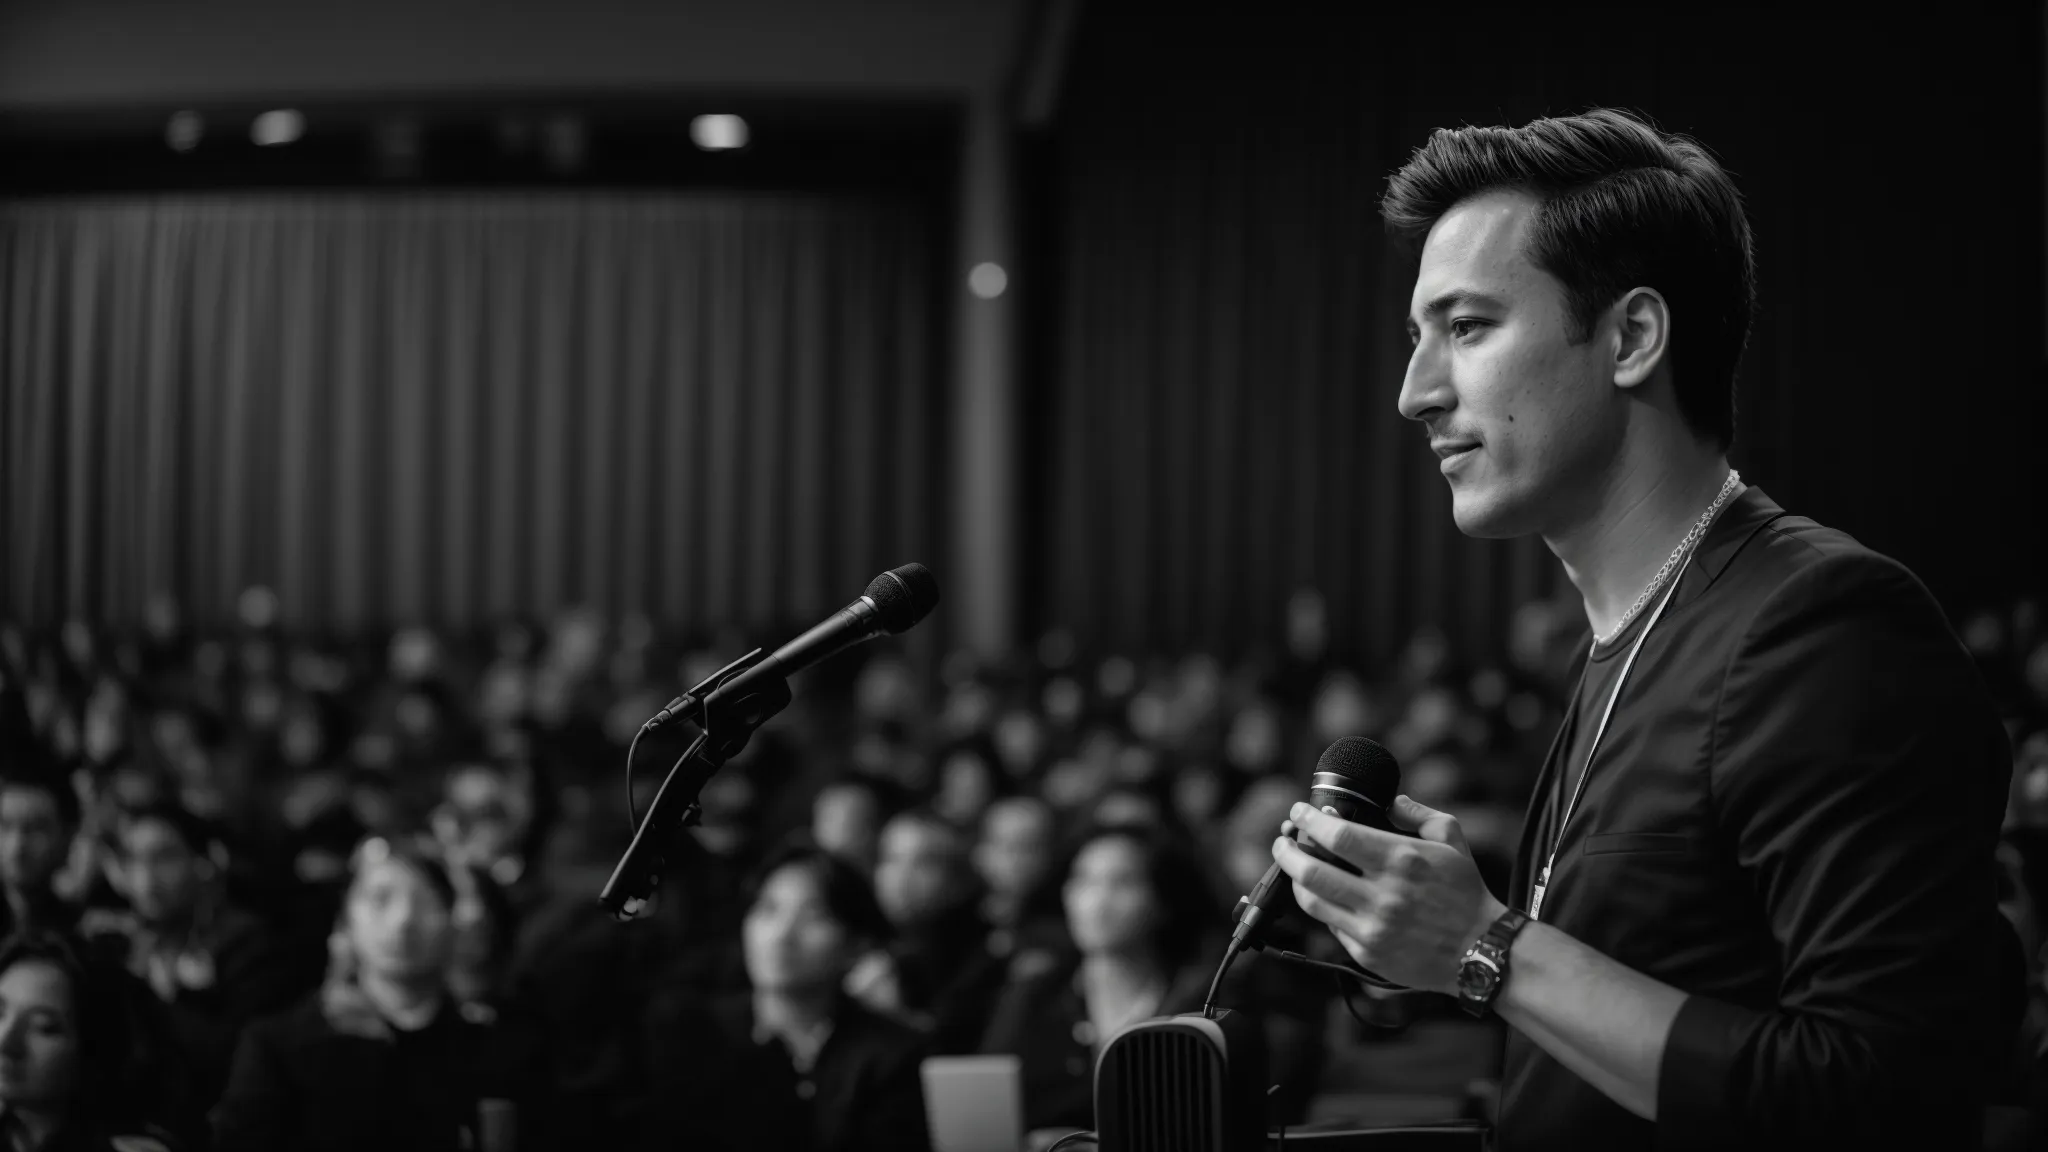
278, 126
719, 133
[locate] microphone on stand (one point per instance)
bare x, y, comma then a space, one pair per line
730, 705
894, 602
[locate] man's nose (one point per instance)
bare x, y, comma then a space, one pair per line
1425, 388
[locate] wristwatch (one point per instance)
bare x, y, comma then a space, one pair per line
1485, 965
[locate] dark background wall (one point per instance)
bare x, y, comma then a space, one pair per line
1218, 422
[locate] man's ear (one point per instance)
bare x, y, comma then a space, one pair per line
1643, 336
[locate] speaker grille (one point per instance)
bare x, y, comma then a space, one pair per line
1164, 1092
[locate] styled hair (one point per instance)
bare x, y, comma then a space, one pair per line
849, 898
1622, 205
1179, 880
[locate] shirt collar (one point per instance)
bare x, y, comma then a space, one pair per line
1747, 513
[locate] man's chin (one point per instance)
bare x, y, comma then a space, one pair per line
1484, 519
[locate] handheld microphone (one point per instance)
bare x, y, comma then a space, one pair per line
894, 602
1356, 779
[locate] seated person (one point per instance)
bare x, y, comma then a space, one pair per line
1015, 858
928, 976
1140, 915
213, 967
65, 1077
39, 815
383, 1056
796, 1064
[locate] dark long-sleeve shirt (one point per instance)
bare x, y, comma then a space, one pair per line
1792, 817
299, 1082
718, 1086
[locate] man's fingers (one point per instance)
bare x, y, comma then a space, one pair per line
1365, 847
1428, 824
1328, 882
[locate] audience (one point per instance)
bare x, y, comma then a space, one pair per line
793, 1062
181, 809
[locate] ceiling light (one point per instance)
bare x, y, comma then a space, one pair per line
719, 133
279, 126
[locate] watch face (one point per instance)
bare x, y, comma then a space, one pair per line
1476, 979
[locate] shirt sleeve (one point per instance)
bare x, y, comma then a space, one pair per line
1858, 776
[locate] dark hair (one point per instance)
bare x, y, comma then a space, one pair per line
1622, 205
848, 896
106, 1036
924, 814
42, 774
1179, 879
412, 851
197, 832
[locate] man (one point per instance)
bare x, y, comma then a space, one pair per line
1760, 876
39, 815
212, 966
929, 973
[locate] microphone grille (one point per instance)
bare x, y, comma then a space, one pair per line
1374, 770
903, 596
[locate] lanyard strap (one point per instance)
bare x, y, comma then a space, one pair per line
1571, 803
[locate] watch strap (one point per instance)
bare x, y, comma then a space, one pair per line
1491, 951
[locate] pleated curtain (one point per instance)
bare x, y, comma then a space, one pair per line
452, 408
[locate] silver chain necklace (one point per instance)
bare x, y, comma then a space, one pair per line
1699, 529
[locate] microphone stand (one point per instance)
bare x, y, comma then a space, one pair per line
725, 726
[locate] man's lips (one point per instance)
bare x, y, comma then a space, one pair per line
1445, 449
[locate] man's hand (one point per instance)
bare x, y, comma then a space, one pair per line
1419, 905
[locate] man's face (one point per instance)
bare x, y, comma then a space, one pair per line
919, 870
33, 839
1492, 374
162, 874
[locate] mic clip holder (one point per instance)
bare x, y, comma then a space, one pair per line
724, 727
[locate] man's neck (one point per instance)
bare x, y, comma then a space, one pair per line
1643, 509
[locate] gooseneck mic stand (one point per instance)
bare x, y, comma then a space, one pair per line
725, 724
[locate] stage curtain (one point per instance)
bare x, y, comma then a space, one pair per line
1216, 420
454, 408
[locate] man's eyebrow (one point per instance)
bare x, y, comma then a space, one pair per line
1452, 299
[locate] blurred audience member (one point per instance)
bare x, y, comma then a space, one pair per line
1139, 910
795, 1064
212, 966
968, 782
66, 1080
846, 820
1014, 858
383, 1056
39, 813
